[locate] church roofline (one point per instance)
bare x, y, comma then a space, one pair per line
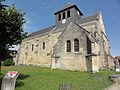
45, 30
78, 22
68, 6
88, 18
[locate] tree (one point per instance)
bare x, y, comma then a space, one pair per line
11, 28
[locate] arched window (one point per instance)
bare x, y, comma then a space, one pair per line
59, 17
68, 46
76, 45
43, 45
68, 13
63, 15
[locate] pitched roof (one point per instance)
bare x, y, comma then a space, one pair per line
88, 19
67, 6
80, 21
45, 30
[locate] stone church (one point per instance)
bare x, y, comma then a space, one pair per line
75, 42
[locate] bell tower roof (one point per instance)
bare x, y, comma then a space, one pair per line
68, 6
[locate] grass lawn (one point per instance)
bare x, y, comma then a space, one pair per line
36, 78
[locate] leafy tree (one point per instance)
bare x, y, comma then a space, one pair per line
11, 28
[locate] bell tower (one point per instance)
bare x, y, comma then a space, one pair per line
65, 15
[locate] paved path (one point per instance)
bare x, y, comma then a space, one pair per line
115, 86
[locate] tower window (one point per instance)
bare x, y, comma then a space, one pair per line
43, 45
76, 45
32, 47
68, 46
63, 15
68, 13
59, 17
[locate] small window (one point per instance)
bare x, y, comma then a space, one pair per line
68, 13
43, 45
76, 45
59, 17
32, 47
63, 15
68, 46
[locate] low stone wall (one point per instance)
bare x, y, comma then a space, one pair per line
115, 78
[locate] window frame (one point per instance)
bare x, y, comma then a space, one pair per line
68, 13
43, 45
76, 45
59, 16
68, 46
32, 47
63, 15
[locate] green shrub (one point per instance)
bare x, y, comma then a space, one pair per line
8, 62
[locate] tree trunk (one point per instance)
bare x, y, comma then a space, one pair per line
0, 66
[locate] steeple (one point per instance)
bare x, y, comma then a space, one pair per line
66, 14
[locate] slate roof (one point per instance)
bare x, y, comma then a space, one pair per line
67, 6
45, 30
88, 19
80, 21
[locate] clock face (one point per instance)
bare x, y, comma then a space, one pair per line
63, 21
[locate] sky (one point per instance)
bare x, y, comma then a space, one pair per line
40, 14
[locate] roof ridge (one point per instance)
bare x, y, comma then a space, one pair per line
90, 18
41, 31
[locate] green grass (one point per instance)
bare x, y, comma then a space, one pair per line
36, 78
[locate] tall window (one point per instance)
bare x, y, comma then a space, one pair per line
68, 46
59, 17
43, 45
76, 45
63, 15
32, 47
68, 13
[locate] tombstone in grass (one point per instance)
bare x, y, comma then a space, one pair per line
8, 82
65, 86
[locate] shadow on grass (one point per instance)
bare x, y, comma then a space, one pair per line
20, 79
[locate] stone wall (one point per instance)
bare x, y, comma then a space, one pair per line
70, 60
37, 56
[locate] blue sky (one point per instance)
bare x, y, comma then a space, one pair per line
40, 14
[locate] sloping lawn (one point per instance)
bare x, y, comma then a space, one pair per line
36, 78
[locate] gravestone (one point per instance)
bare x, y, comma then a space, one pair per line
65, 86
8, 82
